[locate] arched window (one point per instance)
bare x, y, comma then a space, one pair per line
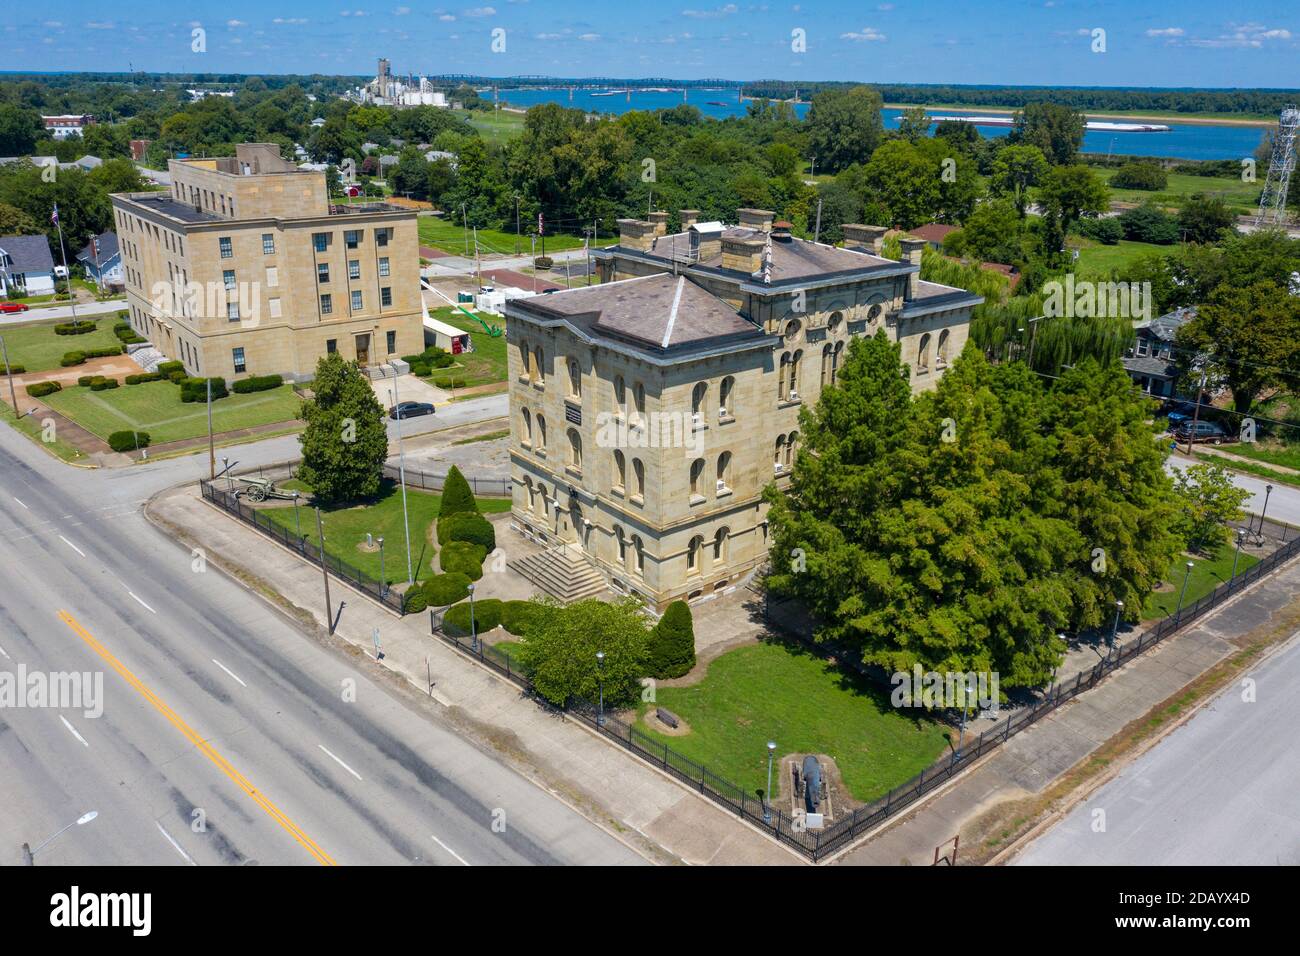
638, 397
941, 356
923, 355
575, 449
781, 390
526, 418
724, 471
638, 477
527, 362
790, 442
621, 539
620, 396
575, 379
720, 545
724, 397
697, 403
697, 472
620, 470
792, 330
794, 373
528, 487
828, 352
541, 431
837, 356
638, 555
541, 501
693, 555
539, 368
835, 322
778, 459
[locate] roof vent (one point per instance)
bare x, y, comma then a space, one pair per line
781, 231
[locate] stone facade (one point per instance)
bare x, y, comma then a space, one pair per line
245, 268
645, 427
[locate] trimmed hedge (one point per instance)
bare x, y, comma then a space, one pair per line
128, 441
143, 377
17, 369
465, 557
456, 382
415, 600
41, 389
518, 617
447, 588
196, 389
467, 527
543, 262
72, 358
257, 383
487, 615
456, 496
100, 383
105, 352
74, 328
167, 368
85, 380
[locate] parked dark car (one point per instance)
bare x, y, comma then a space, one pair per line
1212, 432
1177, 411
404, 410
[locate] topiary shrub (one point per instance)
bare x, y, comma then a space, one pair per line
142, 378
456, 496
86, 380
72, 358
543, 262
128, 441
487, 615
105, 352
257, 383
420, 370
99, 383
670, 648
465, 557
17, 369
447, 588
74, 328
41, 389
167, 368
196, 389
415, 600
442, 359
467, 527
449, 382
518, 617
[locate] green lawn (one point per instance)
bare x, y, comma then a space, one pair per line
497, 127
38, 349
487, 363
31, 426
1096, 259
156, 407
1207, 574
1274, 453
449, 236
769, 692
346, 527
1240, 196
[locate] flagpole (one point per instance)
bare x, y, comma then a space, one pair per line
72, 296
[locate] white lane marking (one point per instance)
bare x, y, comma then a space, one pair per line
228, 671
340, 762
20, 502
73, 730
72, 546
186, 856
463, 861
141, 603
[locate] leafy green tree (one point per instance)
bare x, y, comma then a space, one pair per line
345, 442
456, 495
1015, 170
844, 127
1147, 176
1203, 218
671, 645
1068, 192
1209, 501
991, 233
905, 180
15, 222
20, 128
1149, 223
1055, 129
1248, 339
914, 124
559, 651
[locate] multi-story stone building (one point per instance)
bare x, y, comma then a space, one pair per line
245, 267
649, 412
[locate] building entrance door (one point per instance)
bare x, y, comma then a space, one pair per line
363, 349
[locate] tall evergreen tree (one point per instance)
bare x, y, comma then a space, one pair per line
345, 442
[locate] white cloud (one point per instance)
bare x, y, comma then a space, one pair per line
101, 25
447, 17
401, 11
1166, 32
865, 35
479, 12
550, 36
1246, 35
235, 23
589, 37
713, 14
294, 20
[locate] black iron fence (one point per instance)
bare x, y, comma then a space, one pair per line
363, 581
817, 844
426, 481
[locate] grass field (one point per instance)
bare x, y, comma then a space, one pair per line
31, 426
497, 127
38, 349
346, 527
1241, 197
1096, 259
449, 236
770, 692
1207, 574
156, 408
487, 363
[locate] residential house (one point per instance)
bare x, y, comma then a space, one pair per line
1151, 362
26, 266
102, 260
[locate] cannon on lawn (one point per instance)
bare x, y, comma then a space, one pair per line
259, 489
812, 783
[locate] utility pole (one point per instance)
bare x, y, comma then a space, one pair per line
212, 451
72, 296
464, 218
401, 476
1196, 414
518, 239
534, 241
324, 568
13, 397
478, 273
817, 231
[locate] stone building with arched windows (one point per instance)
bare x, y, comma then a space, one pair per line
649, 412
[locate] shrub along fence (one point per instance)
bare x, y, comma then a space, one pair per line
425, 481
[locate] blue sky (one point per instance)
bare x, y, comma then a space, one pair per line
1190, 43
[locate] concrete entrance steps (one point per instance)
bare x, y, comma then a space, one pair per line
148, 358
562, 572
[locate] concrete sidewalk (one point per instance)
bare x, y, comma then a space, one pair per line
1036, 758
654, 814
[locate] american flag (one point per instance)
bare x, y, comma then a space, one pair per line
54, 216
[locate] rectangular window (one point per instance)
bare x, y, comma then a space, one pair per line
268, 243
272, 277
322, 272
386, 296
332, 346
356, 301
228, 276
226, 250
326, 304
232, 311
320, 240
180, 243
392, 342
352, 238
383, 267
382, 236
238, 356
354, 269
274, 304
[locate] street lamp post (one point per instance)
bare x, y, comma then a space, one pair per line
297, 519
1241, 534
401, 476
767, 794
1183, 593
1114, 628
1268, 490
30, 853
383, 578
473, 625
13, 397
600, 682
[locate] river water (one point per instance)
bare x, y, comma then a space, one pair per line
1183, 141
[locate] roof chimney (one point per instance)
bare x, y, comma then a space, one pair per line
742, 255
636, 234
759, 219
659, 220
863, 238
781, 231
689, 217
912, 253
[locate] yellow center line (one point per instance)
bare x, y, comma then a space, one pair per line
203, 746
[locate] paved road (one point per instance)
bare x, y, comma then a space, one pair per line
1219, 790
84, 309
1283, 501
214, 703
